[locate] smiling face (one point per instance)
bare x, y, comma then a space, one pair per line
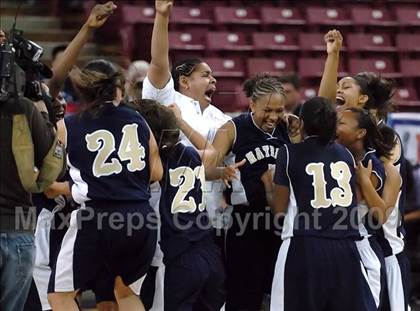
268, 111
349, 95
200, 85
348, 130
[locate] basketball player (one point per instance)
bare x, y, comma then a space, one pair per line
369, 91
112, 157
253, 139
187, 239
318, 257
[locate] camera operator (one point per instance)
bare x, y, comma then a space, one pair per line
17, 178
17, 219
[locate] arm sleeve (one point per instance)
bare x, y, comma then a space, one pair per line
42, 135
281, 177
164, 96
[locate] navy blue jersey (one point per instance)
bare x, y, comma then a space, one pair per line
369, 224
108, 155
377, 169
322, 185
182, 207
391, 235
260, 150
40, 201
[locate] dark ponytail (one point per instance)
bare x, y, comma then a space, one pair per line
378, 90
319, 118
378, 137
97, 83
162, 122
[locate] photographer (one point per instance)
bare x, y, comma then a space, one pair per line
31, 154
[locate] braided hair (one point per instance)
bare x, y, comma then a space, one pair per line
262, 85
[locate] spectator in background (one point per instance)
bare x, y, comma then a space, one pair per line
134, 79
2, 36
291, 85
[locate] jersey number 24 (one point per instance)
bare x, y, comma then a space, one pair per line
130, 150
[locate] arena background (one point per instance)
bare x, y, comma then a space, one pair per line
239, 38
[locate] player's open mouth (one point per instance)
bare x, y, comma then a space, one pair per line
339, 100
270, 125
209, 93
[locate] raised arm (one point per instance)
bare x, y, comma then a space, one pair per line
96, 19
328, 87
159, 73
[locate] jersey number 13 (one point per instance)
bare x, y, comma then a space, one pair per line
341, 195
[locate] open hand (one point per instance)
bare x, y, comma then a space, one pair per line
293, 127
363, 173
229, 172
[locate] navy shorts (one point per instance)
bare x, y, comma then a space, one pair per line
195, 280
118, 240
320, 274
251, 254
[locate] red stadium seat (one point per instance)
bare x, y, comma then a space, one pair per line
276, 65
229, 96
281, 16
407, 42
407, 16
226, 67
381, 65
327, 16
406, 96
365, 16
280, 41
236, 15
132, 14
229, 41
410, 67
308, 92
184, 40
241, 101
312, 42
314, 67
191, 15
369, 43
